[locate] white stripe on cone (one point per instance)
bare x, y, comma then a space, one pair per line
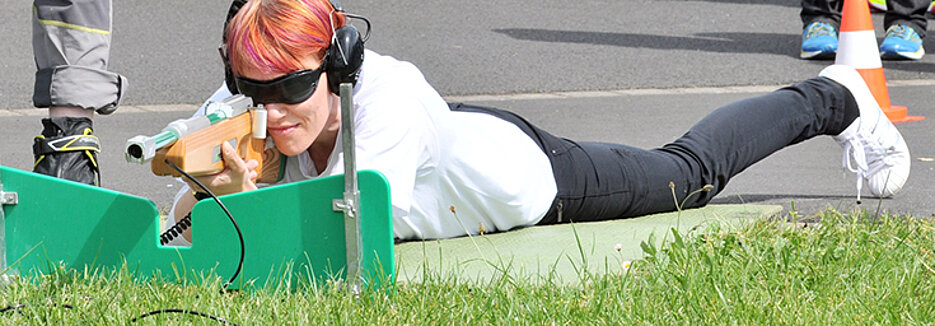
862, 50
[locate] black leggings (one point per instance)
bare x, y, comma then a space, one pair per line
600, 181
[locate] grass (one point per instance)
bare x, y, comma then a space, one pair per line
849, 269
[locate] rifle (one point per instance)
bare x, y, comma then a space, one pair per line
194, 144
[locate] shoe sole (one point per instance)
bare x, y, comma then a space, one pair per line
902, 55
816, 55
851, 79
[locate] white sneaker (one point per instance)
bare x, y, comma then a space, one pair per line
877, 148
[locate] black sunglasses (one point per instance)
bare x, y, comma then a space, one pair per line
291, 88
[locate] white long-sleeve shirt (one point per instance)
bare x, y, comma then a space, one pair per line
495, 176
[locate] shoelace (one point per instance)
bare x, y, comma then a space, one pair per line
820, 29
858, 148
900, 31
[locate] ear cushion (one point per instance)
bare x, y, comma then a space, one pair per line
345, 56
229, 79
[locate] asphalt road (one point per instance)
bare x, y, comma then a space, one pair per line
637, 72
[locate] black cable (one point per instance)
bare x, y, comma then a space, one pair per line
12, 307
231, 217
19, 306
183, 311
239, 264
176, 230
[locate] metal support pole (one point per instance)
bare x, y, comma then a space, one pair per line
350, 204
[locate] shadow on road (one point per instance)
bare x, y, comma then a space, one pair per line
768, 43
772, 43
782, 3
910, 66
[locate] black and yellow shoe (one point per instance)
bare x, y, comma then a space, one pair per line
68, 149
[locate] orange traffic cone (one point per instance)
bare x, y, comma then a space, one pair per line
857, 47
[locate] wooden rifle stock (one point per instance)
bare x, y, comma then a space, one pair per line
199, 154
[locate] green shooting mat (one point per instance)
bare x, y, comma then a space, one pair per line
563, 252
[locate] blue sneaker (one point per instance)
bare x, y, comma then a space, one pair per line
819, 41
901, 42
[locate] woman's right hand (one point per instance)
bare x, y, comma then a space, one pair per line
238, 175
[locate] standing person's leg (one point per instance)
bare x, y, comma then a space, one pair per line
71, 46
599, 181
825, 11
907, 12
821, 21
905, 25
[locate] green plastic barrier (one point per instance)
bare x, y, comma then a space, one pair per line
291, 232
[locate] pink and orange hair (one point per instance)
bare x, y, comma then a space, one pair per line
275, 35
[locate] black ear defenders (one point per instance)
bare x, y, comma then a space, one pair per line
228, 71
345, 55
343, 58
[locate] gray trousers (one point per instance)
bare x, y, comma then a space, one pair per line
71, 45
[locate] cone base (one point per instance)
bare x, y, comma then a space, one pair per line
899, 113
